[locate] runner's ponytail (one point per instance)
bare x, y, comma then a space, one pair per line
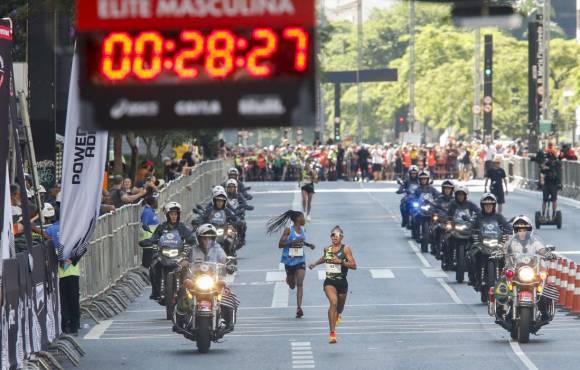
276, 223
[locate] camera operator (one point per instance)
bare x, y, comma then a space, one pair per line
551, 170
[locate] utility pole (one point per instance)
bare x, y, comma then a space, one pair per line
359, 10
411, 119
546, 86
488, 88
477, 81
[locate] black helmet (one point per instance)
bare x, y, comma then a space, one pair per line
488, 198
447, 184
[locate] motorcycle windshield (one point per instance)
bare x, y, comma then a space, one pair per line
213, 269
171, 240
460, 215
427, 197
218, 218
411, 189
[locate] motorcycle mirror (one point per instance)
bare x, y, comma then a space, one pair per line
551, 247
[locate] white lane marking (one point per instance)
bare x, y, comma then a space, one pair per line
355, 305
280, 266
98, 330
230, 278
302, 356
450, 291
276, 276
321, 275
297, 200
515, 346
382, 274
419, 254
281, 295
434, 273
368, 190
572, 253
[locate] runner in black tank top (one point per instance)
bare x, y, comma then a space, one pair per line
337, 259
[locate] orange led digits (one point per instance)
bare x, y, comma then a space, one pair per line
301, 37
220, 59
148, 70
262, 52
111, 70
189, 55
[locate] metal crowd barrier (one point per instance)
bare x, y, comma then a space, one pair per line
114, 249
526, 173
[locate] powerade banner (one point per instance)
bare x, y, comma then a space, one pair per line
6, 237
82, 177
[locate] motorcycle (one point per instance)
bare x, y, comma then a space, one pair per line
458, 243
438, 222
485, 259
227, 234
523, 301
422, 221
199, 314
408, 202
169, 252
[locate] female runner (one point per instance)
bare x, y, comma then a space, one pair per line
338, 259
292, 243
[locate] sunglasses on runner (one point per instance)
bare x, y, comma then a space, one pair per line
338, 235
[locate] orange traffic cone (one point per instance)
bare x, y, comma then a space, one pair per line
563, 282
552, 273
571, 286
576, 304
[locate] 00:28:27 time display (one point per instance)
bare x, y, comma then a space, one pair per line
218, 55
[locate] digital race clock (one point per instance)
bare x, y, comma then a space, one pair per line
197, 63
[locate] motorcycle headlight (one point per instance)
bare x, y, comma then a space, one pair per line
449, 226
415, 204
435, 217
171, 253
231, 232
204, 282
220, 232
461, 227
491, 243
526, 274
425, 207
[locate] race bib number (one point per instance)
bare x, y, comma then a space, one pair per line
296, 252
332, 268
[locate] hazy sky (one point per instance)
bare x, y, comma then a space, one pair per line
367, 4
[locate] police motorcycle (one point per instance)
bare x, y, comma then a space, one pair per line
423, 219
169, 250
523, 300
458, 242
239, 206
485, 256
409, 204
203, 303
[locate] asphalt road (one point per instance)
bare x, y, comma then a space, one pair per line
402, 312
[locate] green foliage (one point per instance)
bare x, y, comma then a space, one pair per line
444, 73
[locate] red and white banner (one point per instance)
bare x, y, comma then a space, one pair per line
108, 15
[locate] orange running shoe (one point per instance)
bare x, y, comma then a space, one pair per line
332, 338
338, 320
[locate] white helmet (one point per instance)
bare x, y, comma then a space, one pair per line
48, 210
206, 230
462, 188
524, 222
219, 192
233, 171
41, 189
232, 182
172, 206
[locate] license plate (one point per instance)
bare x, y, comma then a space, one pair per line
332, 268
296, 252
525, 297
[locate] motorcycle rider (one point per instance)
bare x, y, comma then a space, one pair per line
462, 203
172, 212
425, 186
207, 249
233, 173
442, 204
238, 204
412, 179
217, 210
488, 215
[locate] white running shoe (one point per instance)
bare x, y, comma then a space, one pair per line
308, 218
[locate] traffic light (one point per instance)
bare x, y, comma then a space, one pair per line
402, 122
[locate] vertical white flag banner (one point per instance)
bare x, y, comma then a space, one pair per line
84, 161
6, 237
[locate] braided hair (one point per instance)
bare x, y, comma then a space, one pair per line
276, 223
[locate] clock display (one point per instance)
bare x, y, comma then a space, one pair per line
195, 56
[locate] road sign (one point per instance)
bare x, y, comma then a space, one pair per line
476, 109
160, 64
545, 127
487, 100
487, 108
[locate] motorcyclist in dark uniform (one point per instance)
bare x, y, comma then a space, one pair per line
239, 205
461, 202
425, 186
488, 215
172, 212
217, 211
410, 181
442, 207
233, 173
